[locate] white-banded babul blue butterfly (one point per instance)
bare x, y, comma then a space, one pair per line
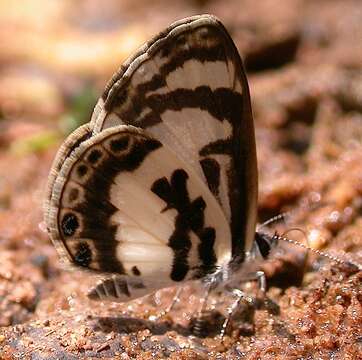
160, 187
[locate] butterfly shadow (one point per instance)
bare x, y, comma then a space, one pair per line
207, 326
128, 325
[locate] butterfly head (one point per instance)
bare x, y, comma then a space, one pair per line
264, 243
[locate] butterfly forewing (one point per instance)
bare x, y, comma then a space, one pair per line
188, 88
124, 203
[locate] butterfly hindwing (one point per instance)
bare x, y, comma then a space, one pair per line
124, 203
187, 87
78, 136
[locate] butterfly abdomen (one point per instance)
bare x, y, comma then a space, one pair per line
118, 289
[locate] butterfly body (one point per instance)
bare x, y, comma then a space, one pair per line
161, 186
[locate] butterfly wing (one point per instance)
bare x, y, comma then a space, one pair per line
188, 88
124, 203
77, 137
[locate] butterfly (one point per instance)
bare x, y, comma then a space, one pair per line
160, 187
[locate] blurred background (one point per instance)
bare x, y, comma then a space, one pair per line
56, 56
304, 64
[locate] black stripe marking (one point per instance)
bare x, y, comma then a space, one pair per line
160, 37
159, 103
206, 252
176, 197
222, 146
202, 97
215, 102
222, 104
211, 169
199, 52
190, 217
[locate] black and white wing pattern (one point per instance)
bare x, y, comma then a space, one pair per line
123, 203
188, 88
161, 185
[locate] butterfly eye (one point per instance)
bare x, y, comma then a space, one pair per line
263, 242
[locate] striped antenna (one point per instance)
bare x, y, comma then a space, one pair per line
275, 218
284, 215
275, 238
320, 253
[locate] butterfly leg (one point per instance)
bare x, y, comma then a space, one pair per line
204, 301
261, 278
240, 295
174, 301
198, 326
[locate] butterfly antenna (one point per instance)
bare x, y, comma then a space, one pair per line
275, 218
319, 252
300, 230
284, 215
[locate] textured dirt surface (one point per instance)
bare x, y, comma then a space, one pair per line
304, 61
